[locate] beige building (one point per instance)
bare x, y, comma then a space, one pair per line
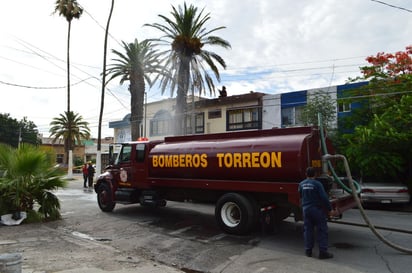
223, 114
58, 149
249, 111
84, 152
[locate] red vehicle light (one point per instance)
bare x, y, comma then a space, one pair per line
368, 190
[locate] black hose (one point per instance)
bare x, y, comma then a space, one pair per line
363, 213
354, 190
325, 152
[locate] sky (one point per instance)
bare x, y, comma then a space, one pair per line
277, 46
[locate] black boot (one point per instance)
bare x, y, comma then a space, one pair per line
325, 255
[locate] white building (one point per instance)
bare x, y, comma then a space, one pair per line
251, 111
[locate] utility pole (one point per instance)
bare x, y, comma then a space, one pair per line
145, 114
193, 111
20, 139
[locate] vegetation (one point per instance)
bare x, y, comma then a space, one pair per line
14, 132
70, 10
71, 127
136, 65
28, 177
320, 102
381, 146
186, 36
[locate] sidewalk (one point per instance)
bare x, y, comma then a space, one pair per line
151, 268
46, 249
52, 247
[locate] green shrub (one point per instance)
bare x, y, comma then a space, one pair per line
27, 179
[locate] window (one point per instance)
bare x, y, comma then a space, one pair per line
291, 116
344, 107
140, 149
160, 127
161, 124
214, 114
125, 154
244, 119
199, 123
59, 158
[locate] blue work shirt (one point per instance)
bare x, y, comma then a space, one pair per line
312, 193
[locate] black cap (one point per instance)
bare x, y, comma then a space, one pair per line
310, 172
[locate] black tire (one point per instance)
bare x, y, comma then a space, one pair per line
271, 219
105, 198
267, 219
255, 211
235, 214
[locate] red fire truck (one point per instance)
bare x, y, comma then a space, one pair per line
245, 174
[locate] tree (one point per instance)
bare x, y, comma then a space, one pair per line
136, 65
186, 33
69, 9
69, 125
381, 146
28, 177
320, 102
14, 132
389, 77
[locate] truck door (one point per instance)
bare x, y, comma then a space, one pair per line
131, 163
140, 170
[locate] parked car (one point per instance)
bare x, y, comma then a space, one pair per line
384, 193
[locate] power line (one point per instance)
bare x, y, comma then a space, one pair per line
28, 45
299, 63
392, 6
228, 75
102, 27
43, 87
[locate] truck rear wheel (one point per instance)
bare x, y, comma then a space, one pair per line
104, 198
234, 214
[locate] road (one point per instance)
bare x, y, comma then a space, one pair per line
185, 237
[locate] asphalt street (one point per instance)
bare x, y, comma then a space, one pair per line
183, 238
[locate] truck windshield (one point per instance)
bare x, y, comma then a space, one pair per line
114, 150
125, 154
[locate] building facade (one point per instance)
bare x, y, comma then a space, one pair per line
84, 152
251, 111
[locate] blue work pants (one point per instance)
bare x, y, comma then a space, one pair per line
315, 217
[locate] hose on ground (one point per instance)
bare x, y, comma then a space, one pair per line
362, 210
354, 190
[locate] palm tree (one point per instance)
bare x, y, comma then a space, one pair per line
28, 177
71, 127
187, 35
136, 65
69, 9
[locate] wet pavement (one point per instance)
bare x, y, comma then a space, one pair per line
184, 238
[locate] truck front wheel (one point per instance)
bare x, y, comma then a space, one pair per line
104, 198
235, 214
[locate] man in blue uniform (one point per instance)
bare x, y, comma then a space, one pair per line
315, 205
